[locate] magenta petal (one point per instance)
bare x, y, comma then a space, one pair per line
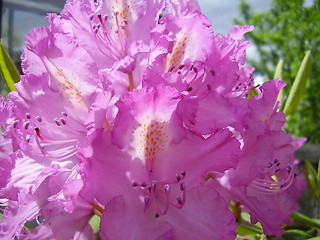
127, 220
204, 216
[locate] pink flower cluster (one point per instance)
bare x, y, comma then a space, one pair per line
134, 111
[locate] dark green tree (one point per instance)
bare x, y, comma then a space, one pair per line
287, 31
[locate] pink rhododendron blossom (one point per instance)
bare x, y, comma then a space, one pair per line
135, 112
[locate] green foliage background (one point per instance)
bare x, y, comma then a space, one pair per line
287, 31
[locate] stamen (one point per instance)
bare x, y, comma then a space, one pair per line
131, 82
64, 114
28, 115
263, 186
37, 130
98, 210
38, 118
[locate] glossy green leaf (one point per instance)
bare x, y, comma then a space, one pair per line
299, 86
8, 69
304, 219
312, 180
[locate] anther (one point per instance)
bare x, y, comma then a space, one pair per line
146, 201
57, 122
28, 115
153, 185
135, 184
289, 169
195, 70
183, 173
181, 66
15, 123
178, 177
167, 188
157, 215
63, 121
144, 184
171, 68
212, 72
38, 118
64, 114
91, 16
105, 17
26, 125
179, 200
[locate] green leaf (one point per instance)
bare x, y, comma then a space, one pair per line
319, 173
299, 86
246, 229
252, 93
304, 219
95, 224
312, 180
295, 235
8, 69
278, 74
314, 238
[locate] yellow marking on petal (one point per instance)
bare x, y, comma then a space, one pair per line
179, 48
67, 90
150, 138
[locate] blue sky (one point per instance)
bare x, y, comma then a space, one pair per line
222, 13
